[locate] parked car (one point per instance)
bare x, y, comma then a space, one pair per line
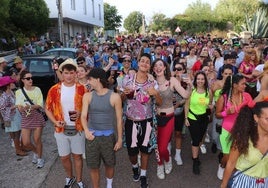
69, 52
40, 66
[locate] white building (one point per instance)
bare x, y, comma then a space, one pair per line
79, 17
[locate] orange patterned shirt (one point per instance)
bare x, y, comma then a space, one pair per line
53, 104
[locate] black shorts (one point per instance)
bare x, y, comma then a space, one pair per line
137, 136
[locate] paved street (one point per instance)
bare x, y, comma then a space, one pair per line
17, 172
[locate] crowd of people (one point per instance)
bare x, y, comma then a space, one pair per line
139, 92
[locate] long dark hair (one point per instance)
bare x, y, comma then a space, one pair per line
22, 75
167, 72
245, 127
228, 85
206, 81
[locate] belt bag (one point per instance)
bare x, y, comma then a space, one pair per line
163, 120
70, 130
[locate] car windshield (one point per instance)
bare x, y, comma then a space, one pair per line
39, 65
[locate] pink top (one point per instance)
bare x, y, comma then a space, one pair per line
229, 120
247, 68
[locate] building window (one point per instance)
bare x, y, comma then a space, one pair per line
99, 12
85, 6
93, 8
73, 4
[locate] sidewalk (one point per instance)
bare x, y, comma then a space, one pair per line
18, 172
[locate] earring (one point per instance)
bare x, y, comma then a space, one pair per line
255, 124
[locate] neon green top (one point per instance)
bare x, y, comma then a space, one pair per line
217, 94
198, 104
260, 170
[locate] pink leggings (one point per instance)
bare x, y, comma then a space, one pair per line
164, 134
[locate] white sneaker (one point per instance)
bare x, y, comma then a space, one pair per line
168, 166
178, 159
40, 163
160, 172
207, 138
34, 160
203, 149
220, 172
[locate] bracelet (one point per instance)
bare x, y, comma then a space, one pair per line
224, 114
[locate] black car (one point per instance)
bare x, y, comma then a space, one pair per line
40, 66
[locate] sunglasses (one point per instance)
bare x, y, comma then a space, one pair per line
80, 62
177, 69
27, 78
126, 60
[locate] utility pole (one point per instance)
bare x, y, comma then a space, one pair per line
60, 21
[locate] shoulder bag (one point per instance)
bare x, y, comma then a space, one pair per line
234, 175
38, 110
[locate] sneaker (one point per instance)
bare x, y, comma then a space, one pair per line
168, 166
40, 163
136, 174
178, 159
160, 172
144, 183
81, 184
34, 160
70, 182
203, 149
207, 138
220, 172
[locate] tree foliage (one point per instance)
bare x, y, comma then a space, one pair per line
235, 11
31, 17
159, 22
4, 19
112, 20
199, 11
133, 22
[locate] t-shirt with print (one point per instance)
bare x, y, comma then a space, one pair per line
140, 106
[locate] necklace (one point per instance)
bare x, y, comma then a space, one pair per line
161, 83
236, 104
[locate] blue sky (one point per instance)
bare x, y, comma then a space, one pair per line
150, 7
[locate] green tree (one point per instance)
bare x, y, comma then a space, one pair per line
4, 17
159, 22
112, 20
31, 17
199, 11
235, 11
133, 22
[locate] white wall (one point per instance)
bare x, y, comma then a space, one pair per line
79, 12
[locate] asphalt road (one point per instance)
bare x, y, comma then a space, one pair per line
180, 177
19, 172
